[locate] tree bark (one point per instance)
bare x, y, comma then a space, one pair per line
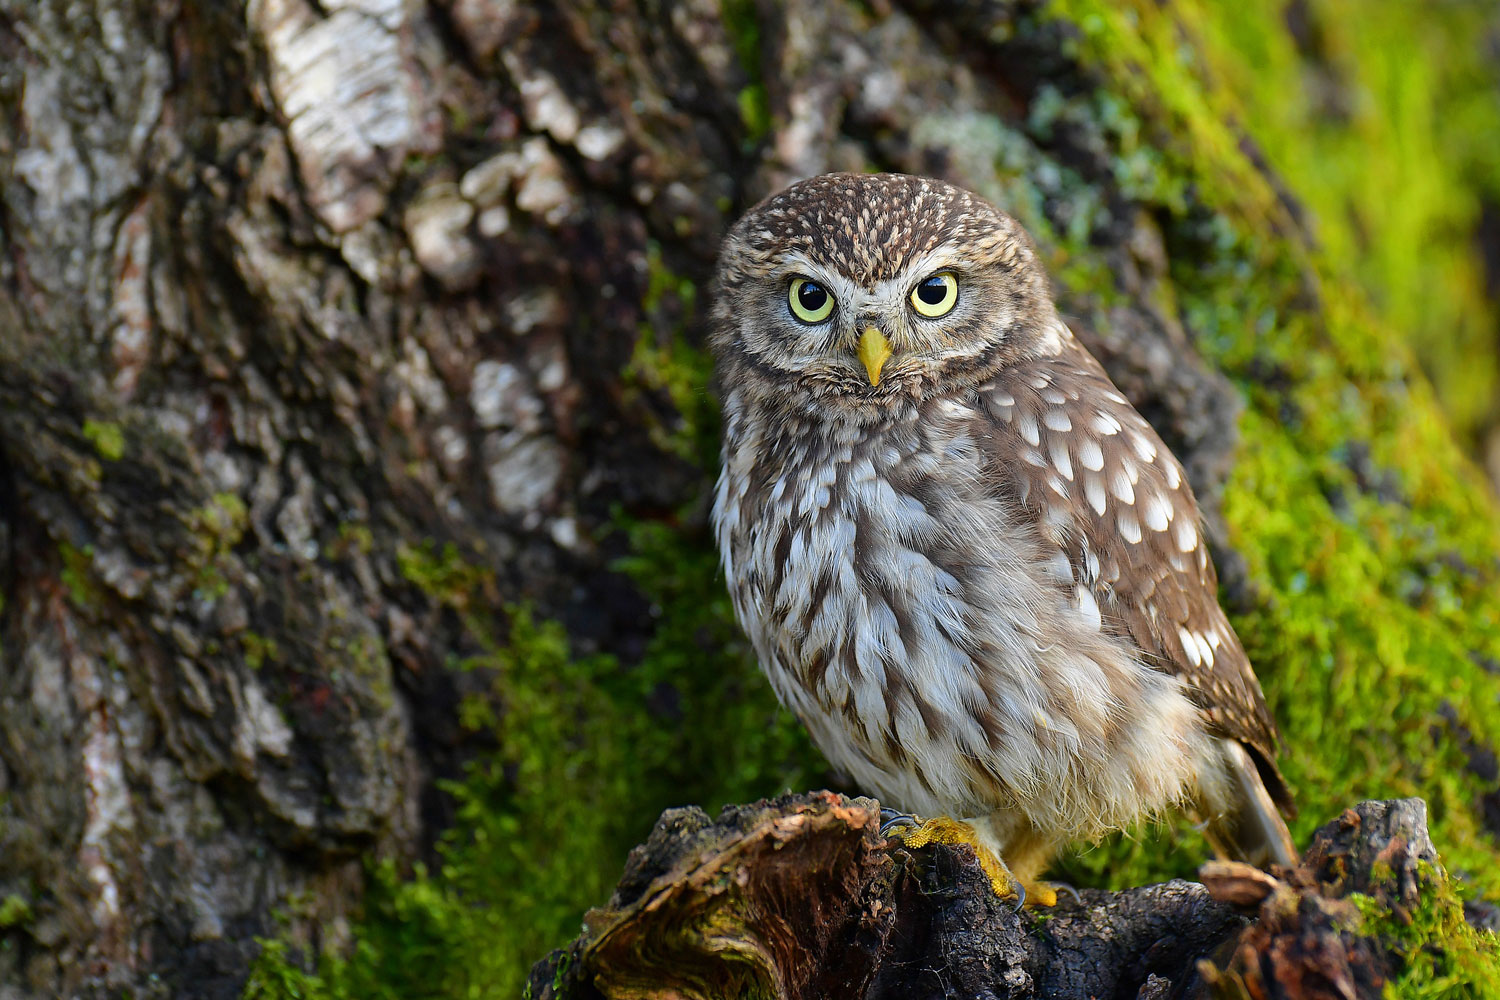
296, 294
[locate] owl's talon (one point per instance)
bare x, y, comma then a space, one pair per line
1041, 893
942, 830
891, 819
1065, 887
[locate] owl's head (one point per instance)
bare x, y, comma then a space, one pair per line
876, 288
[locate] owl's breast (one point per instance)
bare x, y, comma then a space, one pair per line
905, 610
889, 594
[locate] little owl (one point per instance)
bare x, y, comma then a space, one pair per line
966, 563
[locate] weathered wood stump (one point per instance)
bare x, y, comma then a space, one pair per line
801, 897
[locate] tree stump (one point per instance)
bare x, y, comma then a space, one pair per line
800, 897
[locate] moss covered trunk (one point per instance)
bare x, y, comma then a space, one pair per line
355, 437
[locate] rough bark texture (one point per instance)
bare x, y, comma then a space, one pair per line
802, 898
296, 293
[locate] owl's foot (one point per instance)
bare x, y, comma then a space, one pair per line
943, 830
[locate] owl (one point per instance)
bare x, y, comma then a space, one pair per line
964, 560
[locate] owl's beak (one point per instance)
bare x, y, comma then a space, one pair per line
874, 349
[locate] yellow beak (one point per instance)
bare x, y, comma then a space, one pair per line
874, 349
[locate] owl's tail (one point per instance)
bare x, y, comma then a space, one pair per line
1244, 822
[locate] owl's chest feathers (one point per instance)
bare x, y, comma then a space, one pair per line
881, 579
910, 615
844, 547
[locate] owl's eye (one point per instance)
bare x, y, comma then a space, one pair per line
810, 301
936, 296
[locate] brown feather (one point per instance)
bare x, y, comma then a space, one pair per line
1156, 584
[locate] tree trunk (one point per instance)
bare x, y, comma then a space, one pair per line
342, 339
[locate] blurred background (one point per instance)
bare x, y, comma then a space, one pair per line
1380, 120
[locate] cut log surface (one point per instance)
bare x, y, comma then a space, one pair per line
801, 897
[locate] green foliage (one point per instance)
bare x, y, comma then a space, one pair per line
1440, 956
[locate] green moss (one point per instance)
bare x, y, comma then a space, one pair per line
1384, 120
223, 520
356, 537
589, 753
1439, 955
755, 111
440, 573
276, 975
665, 364
743, 26
219, 525
258, 649
77, 577
108, 439
15, 911
1391, 185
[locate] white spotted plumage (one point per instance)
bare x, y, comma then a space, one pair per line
979, 580
945, 732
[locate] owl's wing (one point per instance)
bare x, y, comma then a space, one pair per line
1105, 489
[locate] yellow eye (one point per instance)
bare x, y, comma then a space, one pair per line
809, 301
936, 296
